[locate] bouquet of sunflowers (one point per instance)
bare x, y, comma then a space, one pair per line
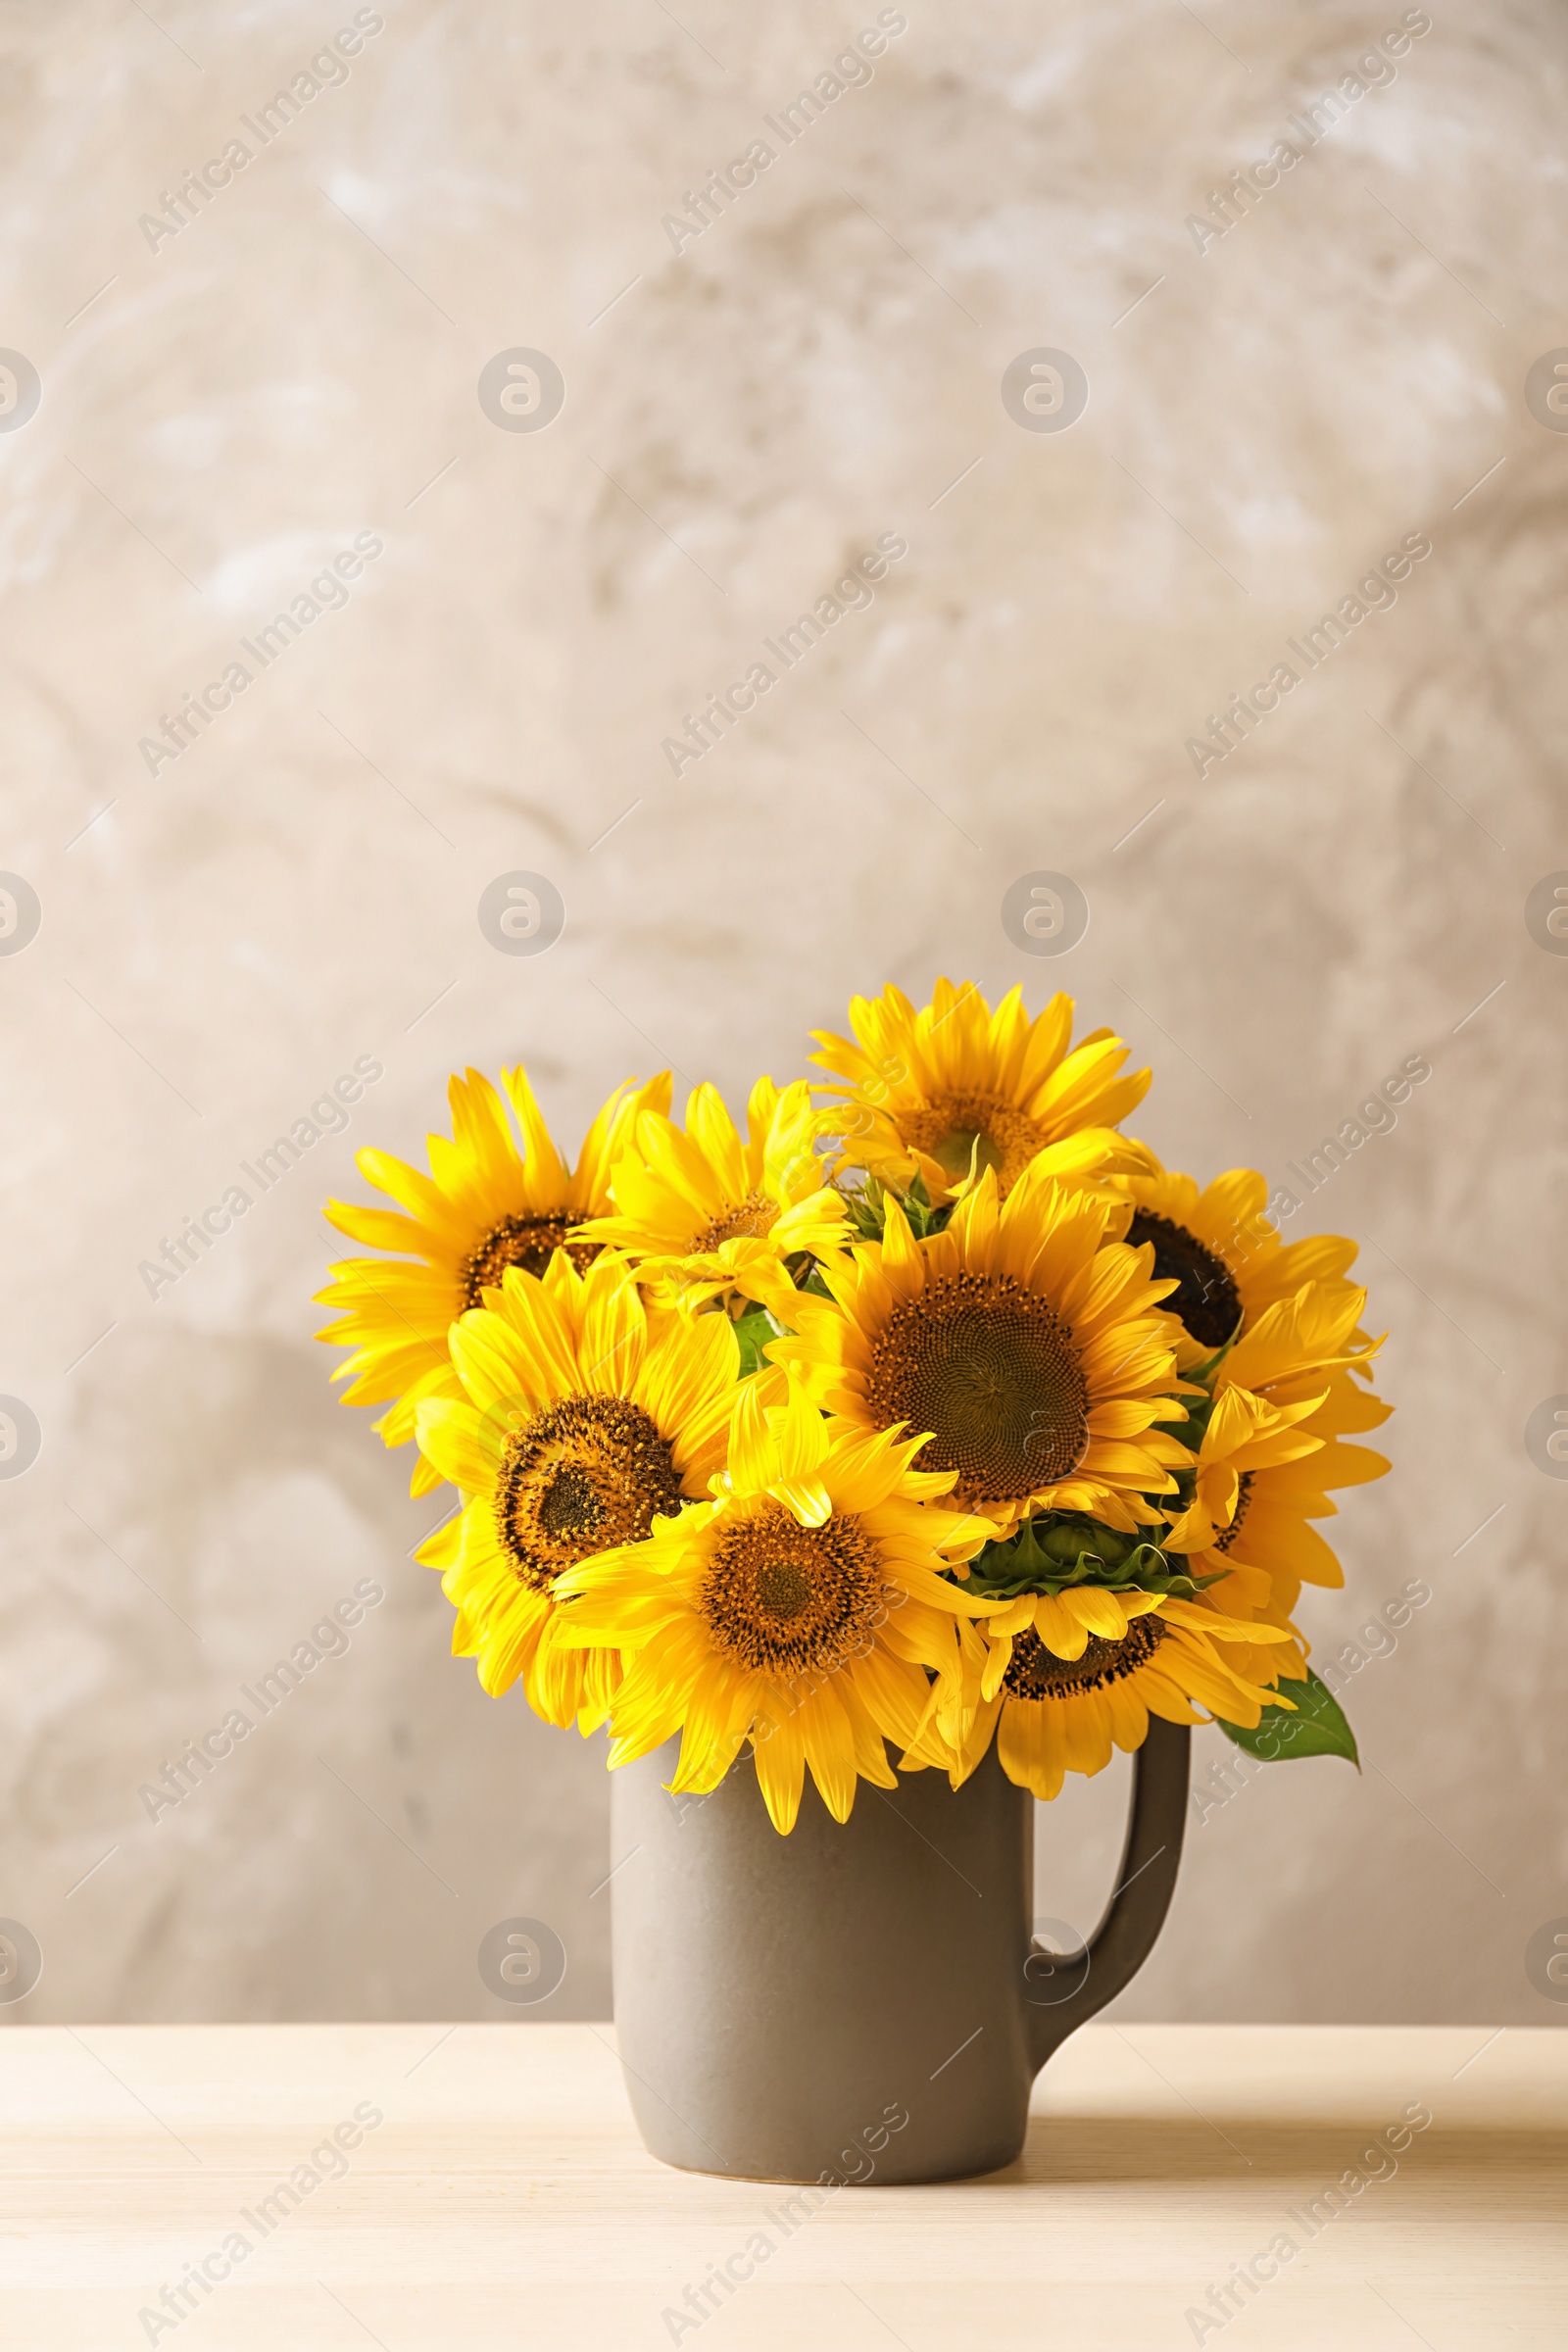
929, 1410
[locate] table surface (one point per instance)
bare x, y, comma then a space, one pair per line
504, 2200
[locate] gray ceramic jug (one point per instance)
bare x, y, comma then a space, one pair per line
858, 2001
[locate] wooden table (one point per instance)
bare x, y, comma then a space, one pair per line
502, 2200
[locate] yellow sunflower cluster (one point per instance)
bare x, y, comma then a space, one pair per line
927, 1415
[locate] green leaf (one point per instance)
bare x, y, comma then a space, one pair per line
754, 1330
1317, 1728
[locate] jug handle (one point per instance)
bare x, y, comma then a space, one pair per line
1136, 1912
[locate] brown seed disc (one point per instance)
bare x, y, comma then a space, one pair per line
579, 1478
1036, 1671
949, 1126
791, 1600
1243, 1496
1206, 1296
988, 1367
748, 1220
528, 1241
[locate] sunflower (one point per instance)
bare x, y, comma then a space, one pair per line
1062, 1680
1026, 1348
1228, 1263
579, 1427
485, 1205
954, 1089
802, 1611
1264, 1472
707, 1211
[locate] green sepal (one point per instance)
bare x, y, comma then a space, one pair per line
862, 1204
1207, 1370
1317, 1727
1188, 1430
867, 1208
1052, 1554
1198, 1412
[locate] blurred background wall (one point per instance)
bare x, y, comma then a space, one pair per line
239, 379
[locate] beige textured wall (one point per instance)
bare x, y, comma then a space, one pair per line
222, 414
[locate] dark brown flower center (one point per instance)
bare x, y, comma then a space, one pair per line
1206, 1296
790, 1600
1244, 1496
1036, 1671
748, 1220
988, 1370
953, 1128
528, 1241
579, 1478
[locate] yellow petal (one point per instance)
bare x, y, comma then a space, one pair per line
1060, 1628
